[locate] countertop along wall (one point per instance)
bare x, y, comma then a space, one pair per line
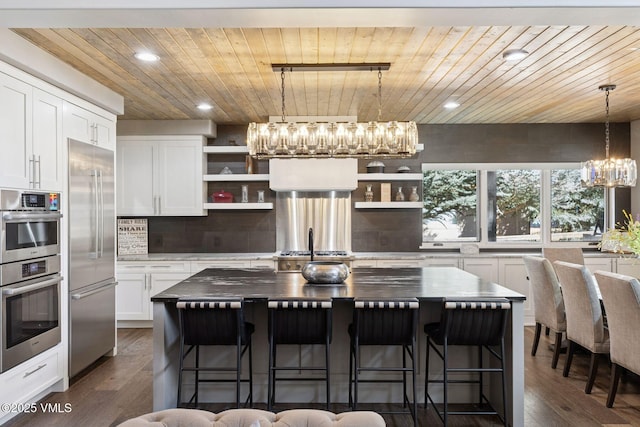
389, 230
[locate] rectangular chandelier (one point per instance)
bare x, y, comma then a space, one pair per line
393, 139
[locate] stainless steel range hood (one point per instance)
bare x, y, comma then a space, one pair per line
313, 193
328, 213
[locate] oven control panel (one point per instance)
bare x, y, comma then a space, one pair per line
34, 268
19, 271
16, 200
41, 201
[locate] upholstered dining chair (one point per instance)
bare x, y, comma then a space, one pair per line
572, 255
548, 303
621, 298
585, 322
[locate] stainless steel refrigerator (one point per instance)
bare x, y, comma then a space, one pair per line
92, 294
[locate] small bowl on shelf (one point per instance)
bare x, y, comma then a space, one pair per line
375, 167
403, 169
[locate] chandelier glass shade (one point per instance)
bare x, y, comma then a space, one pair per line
610, 172
372, 139
285, 139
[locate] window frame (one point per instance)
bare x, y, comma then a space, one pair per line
483, 199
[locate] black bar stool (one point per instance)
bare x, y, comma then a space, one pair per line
384, 323
480, 323
299, 322
214, 322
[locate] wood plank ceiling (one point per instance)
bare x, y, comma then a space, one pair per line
230, 68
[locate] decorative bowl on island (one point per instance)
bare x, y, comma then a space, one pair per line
325, 272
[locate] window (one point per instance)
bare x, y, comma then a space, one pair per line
577, 213
450, 206
513, 205
509, 205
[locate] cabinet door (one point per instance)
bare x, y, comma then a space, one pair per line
77, 123
440, 262
628, 267
485, 268
512, 274
47, 140
160, 282
16, 114
135, 174
104, 132
132, 297
599, 263
179, 184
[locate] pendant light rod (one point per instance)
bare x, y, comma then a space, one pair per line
607, 89
361, 66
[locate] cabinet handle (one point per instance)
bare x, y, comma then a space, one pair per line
27, 374
32, 171
39, 173
159, 205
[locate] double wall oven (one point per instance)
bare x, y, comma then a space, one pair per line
29, 274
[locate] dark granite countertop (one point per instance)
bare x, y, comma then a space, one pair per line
428, 283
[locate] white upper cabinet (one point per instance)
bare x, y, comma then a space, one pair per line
31, 152
16, 133
160, 175
48, 149
87, 126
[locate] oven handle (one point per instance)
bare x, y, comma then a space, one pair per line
21, 216
93, 291
33, 287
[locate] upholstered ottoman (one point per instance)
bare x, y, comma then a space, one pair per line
255, 418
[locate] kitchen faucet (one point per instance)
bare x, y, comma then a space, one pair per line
311, 242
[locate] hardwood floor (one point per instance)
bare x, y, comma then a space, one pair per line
119, 388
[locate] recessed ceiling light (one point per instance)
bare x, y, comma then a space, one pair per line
451, 105
147, 56
514, 54
204, 106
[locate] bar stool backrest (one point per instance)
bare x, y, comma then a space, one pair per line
386, 322
211, 321
300, 321
474, 322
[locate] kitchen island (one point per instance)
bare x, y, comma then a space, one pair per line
429, 285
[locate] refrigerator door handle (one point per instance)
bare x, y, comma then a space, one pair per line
81, 295
100, 211
95, 237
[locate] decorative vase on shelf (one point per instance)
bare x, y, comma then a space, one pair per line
413, 197
368, 194
399, 195
245, 194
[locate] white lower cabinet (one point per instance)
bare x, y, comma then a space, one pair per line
138, 282
485, 268
22, 384
512, 274
628, 267
599, 263
440, 262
